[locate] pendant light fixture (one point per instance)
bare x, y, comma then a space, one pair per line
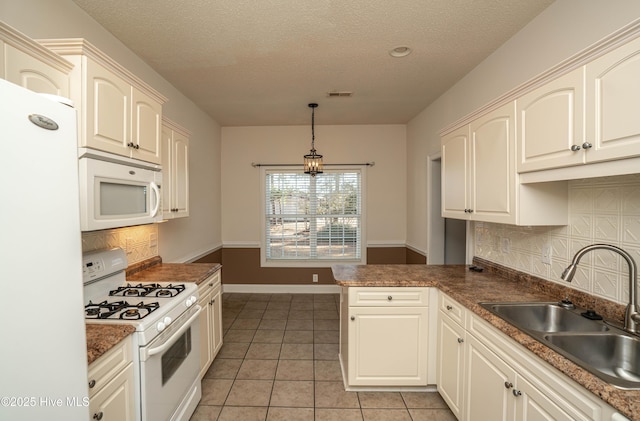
313, 161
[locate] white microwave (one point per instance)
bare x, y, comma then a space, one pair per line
117, 192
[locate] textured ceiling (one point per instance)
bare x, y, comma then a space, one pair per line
260, 62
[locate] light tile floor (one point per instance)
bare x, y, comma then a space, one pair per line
279, 361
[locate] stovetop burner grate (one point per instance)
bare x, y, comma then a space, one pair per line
119, 309
148, 290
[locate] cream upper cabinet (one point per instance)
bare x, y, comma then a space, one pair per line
551, 124
106, 113
613, 104
492, 165
478, 174
119, 113
25, 62
175, 166
146, 126
479, 179
456, 181
586, 116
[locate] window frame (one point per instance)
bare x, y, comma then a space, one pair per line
300, 263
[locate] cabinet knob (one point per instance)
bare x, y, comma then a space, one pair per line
587, 145
575, 148
508, 384
389, 298
211, 284
460, 340
353, 318
516, 393
98, 416
92, 384
449, 308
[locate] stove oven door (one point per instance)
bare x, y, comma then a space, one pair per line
169, 370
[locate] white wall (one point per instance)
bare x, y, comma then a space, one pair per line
182, 239
383, 144
563, 29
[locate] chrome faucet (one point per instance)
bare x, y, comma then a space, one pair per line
632, 315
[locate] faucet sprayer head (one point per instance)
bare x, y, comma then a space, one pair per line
567, 274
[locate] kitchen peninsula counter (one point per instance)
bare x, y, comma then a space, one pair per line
499, 284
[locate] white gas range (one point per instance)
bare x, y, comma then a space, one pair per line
167, 336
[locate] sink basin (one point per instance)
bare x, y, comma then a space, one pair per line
544, 317
614, 357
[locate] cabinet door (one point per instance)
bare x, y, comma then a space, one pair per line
550, 122
489, 385
492, 166
167, 195
388, 346
613, 101
216, 321
146, 125
107, 111
455, 174
206, 329
31, 73
180, 175
115, 402
451, 350
533, 405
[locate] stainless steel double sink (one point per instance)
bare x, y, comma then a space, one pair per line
605, 350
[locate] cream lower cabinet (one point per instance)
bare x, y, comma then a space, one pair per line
500, 379
451, 353
111, 385
175, 170
384, 336
210, 292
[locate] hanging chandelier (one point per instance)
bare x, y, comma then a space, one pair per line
313, 161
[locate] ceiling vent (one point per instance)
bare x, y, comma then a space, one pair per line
336, 94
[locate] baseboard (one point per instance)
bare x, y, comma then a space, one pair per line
281, 289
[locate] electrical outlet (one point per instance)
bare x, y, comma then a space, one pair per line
506, 245
315, 277
546, 254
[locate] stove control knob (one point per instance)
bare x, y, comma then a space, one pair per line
191, 301
160, 326
167, 321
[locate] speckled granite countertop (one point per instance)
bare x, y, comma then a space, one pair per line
175, 272
500, 284
103, 337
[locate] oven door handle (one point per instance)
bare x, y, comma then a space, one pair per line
169, 342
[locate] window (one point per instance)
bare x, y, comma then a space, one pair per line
313, 218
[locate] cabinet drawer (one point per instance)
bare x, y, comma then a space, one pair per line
453, 309
108, 365
389, 296
209, 284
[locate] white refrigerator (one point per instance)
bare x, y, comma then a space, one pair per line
43, 354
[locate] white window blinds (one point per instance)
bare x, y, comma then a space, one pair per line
313, 218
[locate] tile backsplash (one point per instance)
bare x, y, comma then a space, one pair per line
601, 210
139, 242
